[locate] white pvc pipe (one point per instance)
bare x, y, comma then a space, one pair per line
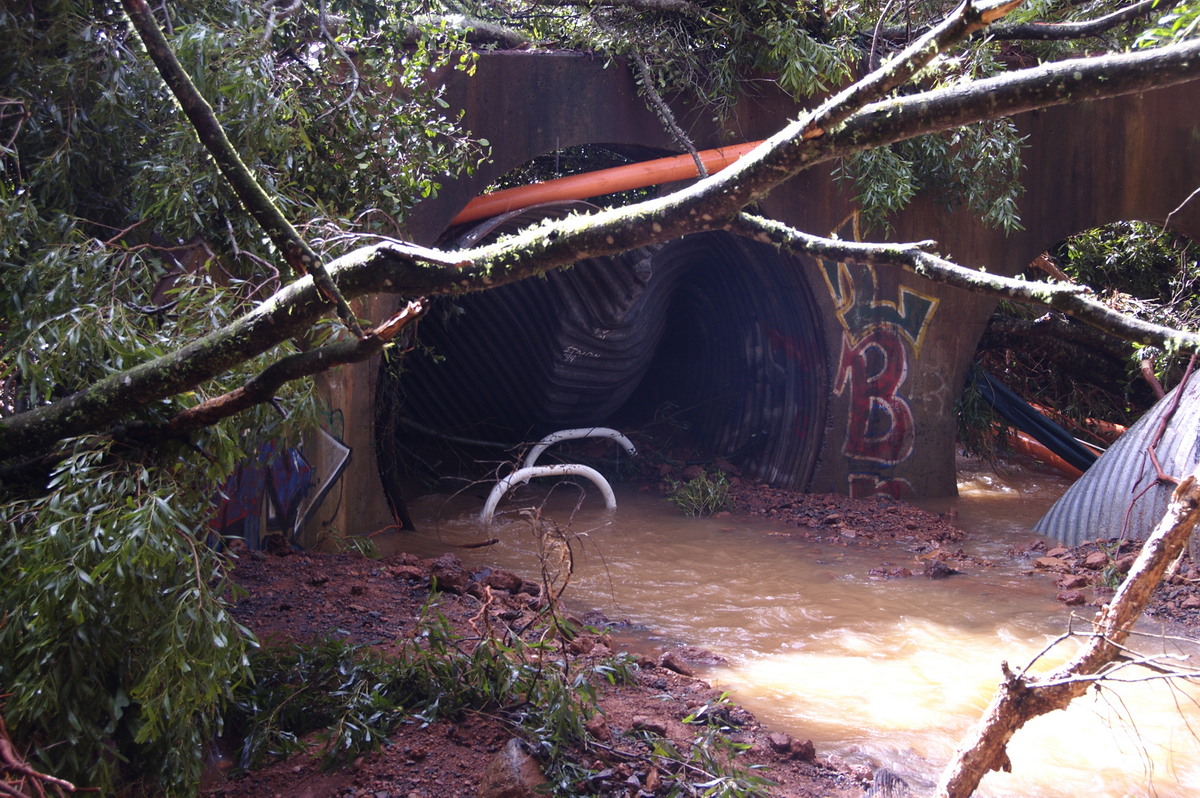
523, 475
570, 434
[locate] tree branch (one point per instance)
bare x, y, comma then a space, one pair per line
267, 383
1058, 31
1076, 30
474, 29
706, 205
1074, 300
682, 7
712, 202
664, 112
1022, 697
295, 250
964, 21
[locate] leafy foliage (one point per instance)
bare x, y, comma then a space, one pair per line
118, 651
1146, 270
119, 241
1137, 268
1177, 22
353, 695
702, 494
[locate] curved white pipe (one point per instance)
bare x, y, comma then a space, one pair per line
570, 434
523, 475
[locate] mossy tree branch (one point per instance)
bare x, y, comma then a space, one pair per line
298, 254
712, 203
1076, 301
1066, 31
263, 387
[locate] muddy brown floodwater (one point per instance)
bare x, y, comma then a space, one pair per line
834, 632
872, 628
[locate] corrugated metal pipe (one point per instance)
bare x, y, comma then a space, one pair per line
1120, 495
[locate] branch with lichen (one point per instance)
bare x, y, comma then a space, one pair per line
712, 203
1076, 301
298, 254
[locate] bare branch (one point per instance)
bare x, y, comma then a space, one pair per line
1077, 30
1060, 31
1022, 697
474, 29
664, 112
682, 7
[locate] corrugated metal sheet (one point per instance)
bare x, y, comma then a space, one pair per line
1117, 496
722, 328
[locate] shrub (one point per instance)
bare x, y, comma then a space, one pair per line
701, 495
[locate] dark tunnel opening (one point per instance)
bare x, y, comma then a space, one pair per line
718, 332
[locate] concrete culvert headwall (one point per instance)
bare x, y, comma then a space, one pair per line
720, 332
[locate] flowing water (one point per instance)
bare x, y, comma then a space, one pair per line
884, 672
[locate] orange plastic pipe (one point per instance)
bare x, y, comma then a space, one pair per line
1028, 446
600, 182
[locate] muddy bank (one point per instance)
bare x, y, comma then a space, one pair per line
300, 597
304, 596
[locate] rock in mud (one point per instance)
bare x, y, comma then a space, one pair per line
450, 574
1073, 582
597, 726
936, 569
785, 744
501, 579
1071, 598
512, 774
648, 724
672, 661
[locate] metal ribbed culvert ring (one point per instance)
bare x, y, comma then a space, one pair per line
723, 328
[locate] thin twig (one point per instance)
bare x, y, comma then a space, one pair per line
664, 112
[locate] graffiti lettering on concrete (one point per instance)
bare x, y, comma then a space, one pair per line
277, 491
262, 496
881, 337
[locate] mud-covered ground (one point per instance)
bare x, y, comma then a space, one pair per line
301, 596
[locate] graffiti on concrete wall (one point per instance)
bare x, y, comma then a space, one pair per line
262, 496
881, 338
277, 491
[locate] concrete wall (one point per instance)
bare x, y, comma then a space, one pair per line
898, 345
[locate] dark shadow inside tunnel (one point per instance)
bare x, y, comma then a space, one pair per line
712, 337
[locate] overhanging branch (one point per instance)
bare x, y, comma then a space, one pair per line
708, 204
1074, 300
266, 384
283, 235
1064, 31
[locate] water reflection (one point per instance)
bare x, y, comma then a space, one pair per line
885, 671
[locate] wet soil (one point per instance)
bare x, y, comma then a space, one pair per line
302, 596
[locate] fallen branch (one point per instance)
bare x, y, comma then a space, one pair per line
706, 205
1076, 301
1022, 697
1065, 31
15, 773
264, 386
283, 235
